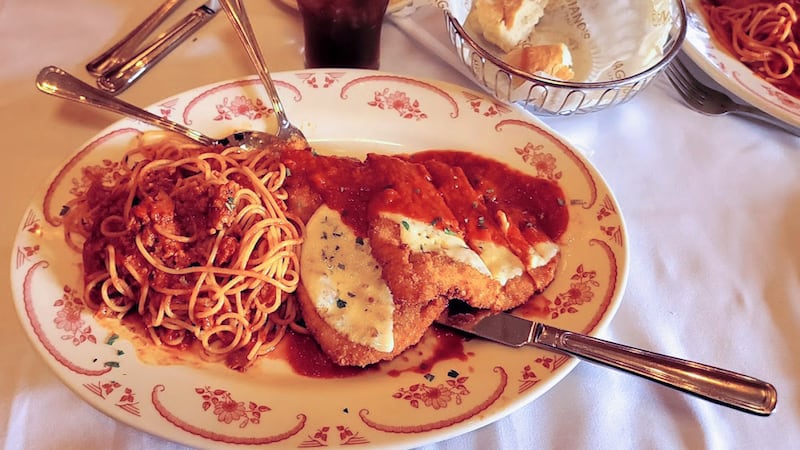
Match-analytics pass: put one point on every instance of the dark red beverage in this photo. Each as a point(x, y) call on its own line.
point(342, 33)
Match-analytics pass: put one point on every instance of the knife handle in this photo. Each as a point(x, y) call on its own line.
point(118, 79)
point(719, 385)
point(121, 51)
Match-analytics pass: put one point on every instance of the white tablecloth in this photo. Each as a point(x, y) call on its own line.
point(712, 206)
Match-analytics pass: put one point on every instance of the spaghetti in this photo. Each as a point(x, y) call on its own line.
point(196, 242)
point(762, 35)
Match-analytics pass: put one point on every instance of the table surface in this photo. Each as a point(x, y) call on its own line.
point(712, 206)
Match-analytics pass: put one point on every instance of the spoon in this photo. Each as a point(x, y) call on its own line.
point(237, 15)
point(57, 82)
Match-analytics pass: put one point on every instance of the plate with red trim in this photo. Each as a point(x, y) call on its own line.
point(423, 396)
point(726, 70)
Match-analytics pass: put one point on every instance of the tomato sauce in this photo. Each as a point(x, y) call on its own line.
point(536, 206)
point(533, 203)
point(307, 359)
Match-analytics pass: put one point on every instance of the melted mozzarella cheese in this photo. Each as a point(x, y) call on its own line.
point(542, 253)
point(345, 282)
point(502, 262)
point(538, 254)
point(424, 237)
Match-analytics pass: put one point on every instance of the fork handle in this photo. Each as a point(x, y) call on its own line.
point(118, 53)
point(57, 82)
point(237, 15)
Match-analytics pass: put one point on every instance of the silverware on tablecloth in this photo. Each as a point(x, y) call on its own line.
point(121, 51)
point(57, 82)
point(718, 385)
point(119, 78)
point(709, 101)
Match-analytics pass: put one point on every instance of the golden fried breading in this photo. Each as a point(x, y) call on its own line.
point(432, 237)
point(410, 323)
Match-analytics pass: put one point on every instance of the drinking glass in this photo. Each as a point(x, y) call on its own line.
point(342, 33)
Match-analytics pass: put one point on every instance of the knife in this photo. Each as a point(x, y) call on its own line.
point(121, 51)
point(118, 79)
point(711, 383)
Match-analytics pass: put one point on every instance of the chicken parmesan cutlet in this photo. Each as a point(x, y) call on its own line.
point(390, 240)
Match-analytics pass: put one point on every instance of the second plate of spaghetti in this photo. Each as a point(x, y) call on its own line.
point(293, 396)
point(726, 67)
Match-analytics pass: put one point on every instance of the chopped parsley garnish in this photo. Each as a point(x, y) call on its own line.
point(435, 221)
point(288, 172)
point(341, 266)
point(450, 232)
point(452, 374)
point(111, 339)
point(429, 376)
point(64, 210)
point(120, 353)
point(341, 303)
point(337, 234)
point(360, 241)
point(111, 364)
point(481, 222)
point(351, 295)
point(230, 203)
point(405, 225)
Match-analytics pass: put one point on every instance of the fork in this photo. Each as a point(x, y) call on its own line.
point(709, 101)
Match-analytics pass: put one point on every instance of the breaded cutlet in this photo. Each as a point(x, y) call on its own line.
point(412, 230)
point(483, 234)
point(410, 323)
point(419, 276)
point(528, 238)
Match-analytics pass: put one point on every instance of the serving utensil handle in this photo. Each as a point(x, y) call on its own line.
point(719, 385)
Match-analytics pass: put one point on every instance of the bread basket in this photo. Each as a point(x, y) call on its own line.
point(620, 46)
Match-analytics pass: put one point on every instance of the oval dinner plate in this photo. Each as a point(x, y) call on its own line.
point(402, 403)
point(725, 69)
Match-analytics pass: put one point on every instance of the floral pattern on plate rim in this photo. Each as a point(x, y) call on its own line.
point(227, 408)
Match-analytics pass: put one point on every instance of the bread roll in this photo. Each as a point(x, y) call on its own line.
point(505, 23)
point(549, 60)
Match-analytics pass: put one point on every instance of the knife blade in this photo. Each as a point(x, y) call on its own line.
point(722, 386)
point(121, 51)
point(120, 78)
